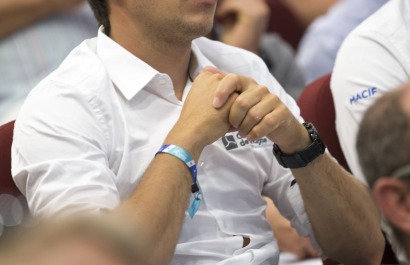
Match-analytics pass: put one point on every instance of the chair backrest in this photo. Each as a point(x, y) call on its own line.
point(7, 185)
point(316, 105)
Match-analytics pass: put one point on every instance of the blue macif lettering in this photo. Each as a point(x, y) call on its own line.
point(363, 95)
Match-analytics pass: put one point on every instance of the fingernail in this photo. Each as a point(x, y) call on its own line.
point(217, 103)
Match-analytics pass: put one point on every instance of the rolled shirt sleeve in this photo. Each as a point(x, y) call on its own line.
point(60, 152)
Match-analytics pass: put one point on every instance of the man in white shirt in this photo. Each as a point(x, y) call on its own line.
point(373, 60)
point(86, 138)
point(386, 164)
point(318, 48)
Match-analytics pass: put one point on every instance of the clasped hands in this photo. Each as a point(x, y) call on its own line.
point(220, 102)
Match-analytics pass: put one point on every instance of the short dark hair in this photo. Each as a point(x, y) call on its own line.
point(384, 137)
point(101, 13)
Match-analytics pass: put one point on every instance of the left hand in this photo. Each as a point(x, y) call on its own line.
point(256, 113)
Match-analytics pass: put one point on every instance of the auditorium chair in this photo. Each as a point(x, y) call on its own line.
point(7, 185)
point(317, 106)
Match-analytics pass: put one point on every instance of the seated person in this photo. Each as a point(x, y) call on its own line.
point(372, 61)
point(243, 23)
point(308, 10)
point(35, 37)
point(318, 48)
point(149, 112)
point(382, 146)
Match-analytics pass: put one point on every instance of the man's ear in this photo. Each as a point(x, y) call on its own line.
point(393, 198)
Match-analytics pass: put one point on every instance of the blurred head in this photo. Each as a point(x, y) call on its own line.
point(172, 20)
point(383, 147)
point(76, 242)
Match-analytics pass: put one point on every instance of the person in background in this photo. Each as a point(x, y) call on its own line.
point(35, 37)
point(306, 11)
point(383, 144)
point(74, 241)
point(243, 24)
point(374, 59)
point(318, 48)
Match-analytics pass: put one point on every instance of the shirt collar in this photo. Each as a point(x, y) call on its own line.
point(129, 73)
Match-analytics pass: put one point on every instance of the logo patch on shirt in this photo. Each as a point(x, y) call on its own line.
point(235, 141)
point(367, 93)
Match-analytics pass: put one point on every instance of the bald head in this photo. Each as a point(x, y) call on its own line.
point(384, 135)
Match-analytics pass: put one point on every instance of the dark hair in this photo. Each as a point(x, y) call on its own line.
point(101, 13)
point(383, 139)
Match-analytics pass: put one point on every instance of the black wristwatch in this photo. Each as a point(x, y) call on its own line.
point(307, 155)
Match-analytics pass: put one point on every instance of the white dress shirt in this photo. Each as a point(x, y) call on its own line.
point(374, 59)
point(30, 54)
point(319, 46)
point(87, 133)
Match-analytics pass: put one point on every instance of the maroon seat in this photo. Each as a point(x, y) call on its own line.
point(283, 22)
point(7, 185)
point(317, 106)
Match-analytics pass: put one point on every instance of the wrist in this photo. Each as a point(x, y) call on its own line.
point(186, 139)
point(300, 142)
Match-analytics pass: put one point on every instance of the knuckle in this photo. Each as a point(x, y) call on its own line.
point(243, 103)
point(254, 115)
point(233, 77)
point(270, 120)
point(261, 89)
point(217, 76)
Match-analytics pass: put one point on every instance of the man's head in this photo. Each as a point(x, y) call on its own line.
point(173, 20)
point(383, 147)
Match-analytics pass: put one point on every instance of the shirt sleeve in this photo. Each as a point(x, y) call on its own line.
point(367, 66)
point(60, 152)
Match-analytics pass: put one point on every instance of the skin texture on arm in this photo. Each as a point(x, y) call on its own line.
point(339, 207)
point(17, 14)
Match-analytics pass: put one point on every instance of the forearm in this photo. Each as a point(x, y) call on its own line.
point(334, 199)
point(157, 207)
point(17, 14)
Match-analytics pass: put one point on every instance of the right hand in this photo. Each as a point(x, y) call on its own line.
point(63, 5)
point(200, 124)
